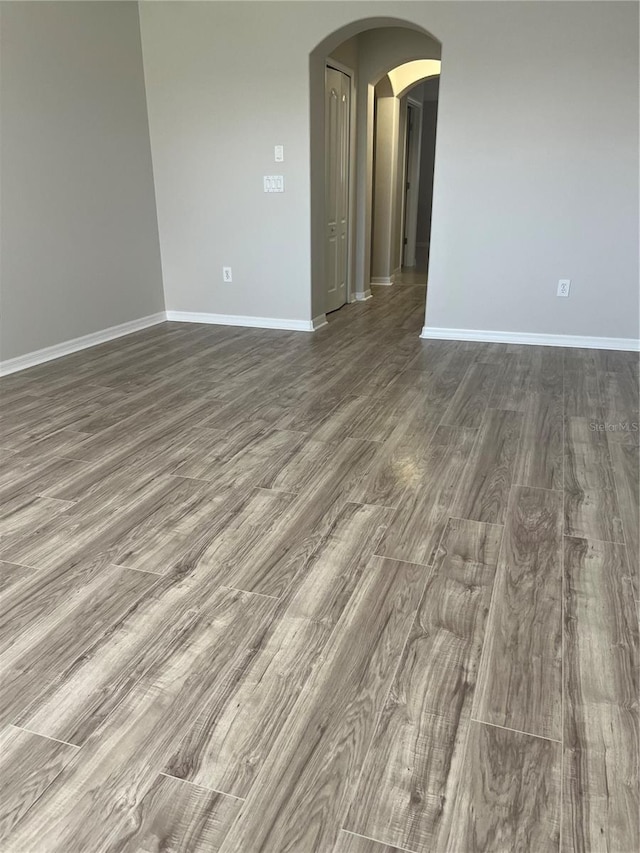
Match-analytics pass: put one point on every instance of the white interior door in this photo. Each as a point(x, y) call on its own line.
point(337, 122)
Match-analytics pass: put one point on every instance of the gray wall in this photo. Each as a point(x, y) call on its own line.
point(80, 248)
point(347, 53)
point(536, 173)
point(225, 83)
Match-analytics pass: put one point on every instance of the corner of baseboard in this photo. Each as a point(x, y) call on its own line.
point(318, 322)
point(363, 295)
point(382, 281)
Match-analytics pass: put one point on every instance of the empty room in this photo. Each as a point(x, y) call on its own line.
point(319, 428)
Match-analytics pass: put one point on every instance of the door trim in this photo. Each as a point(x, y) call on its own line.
point(351, 231)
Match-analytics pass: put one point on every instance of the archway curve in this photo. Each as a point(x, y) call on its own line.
point(356, 28)
point(405, 77)
point(415, 43)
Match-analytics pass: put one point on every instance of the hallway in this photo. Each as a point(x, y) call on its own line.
point(348, 591)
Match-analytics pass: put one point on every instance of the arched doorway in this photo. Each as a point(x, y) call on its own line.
point(397, 154)
point(379, 46)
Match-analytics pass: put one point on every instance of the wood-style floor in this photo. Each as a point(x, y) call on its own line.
point(349, 592)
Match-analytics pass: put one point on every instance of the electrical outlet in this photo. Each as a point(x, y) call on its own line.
point(564, 286)
point(226, 274)
point(278, 153)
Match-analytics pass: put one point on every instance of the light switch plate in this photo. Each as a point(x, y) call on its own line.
point(274, 183)
point(279, 153)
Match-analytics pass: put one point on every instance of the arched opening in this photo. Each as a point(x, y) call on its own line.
point(384, 58)
point(403, 170)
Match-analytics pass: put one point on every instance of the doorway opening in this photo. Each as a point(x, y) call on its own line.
point(429, 91)
point(368, 176)
point(401, 149)
point(411, 181)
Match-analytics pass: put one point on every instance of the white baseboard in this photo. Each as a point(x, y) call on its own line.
point(363, 295)
point(441, 334)
point(385, 281)
point(31, 359)
point(238, 320)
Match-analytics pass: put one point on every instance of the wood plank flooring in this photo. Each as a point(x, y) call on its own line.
point(349, 592)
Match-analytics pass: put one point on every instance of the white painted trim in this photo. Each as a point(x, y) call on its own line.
point(31, 359)
point(238, 320)
point(535, 339)
point(363, 295)
point(385, 281)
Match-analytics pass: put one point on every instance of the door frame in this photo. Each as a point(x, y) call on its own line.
point(411, 173)
point(351, 231)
